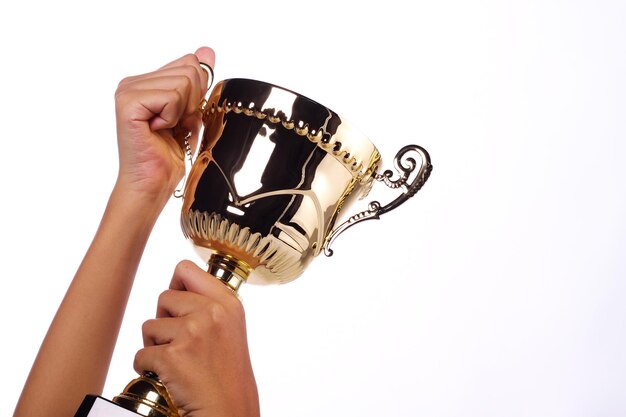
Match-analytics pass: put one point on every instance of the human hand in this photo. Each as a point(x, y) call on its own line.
point(198, 347)
point(153, 110)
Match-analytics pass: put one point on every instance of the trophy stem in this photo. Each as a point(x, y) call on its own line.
point(231, 271)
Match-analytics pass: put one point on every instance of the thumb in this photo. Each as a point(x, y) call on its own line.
point(190, 277)
point(206, 55)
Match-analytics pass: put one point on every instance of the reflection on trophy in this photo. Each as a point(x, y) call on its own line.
point(273, 174)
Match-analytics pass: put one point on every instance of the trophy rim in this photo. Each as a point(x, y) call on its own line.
point(359, 154)
point(281, 88)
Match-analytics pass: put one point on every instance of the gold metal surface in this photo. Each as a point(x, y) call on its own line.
point(147, 396)
point(274, 172)
point(231, 271)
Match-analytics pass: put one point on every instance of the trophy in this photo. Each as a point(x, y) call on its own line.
point(273, 172)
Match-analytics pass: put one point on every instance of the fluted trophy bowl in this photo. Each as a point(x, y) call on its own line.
point(273, 172)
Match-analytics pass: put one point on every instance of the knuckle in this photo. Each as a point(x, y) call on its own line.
point(192, 328)
point(145, 327)
point(171, 99)
point(189, 71)
point(162, 298)
point(182, 82)
point(237, 309)
point(182, 270)
point(138, 361)
point(226, 310)
point(233, 308)
point(121, 97)
point(190, 59)
point(170, 353)
point(218, 315)
point(183, 266)
point(232, 304)
point(124, 83)
point(179, 97)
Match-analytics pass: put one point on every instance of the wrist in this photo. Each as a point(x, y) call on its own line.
point(137, 199)
point(134, 211)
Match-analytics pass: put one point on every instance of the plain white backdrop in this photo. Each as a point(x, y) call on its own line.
point(498, 290)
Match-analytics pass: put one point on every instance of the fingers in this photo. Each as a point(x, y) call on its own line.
point(198, 345)
point(191, 316)
point(185, 80)
point(149, 98)
point(190, 277)
point(174, 303)
point(155, 359)
point(192, 61)
point(203, 54)
point(206, 55)
point(159, 332)
point(161, 100)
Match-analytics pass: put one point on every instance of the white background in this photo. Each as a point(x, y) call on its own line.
point(498, 291)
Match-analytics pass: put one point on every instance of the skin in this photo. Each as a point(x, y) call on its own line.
point(197, 344)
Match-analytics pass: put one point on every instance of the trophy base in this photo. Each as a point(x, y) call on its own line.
point(96, 406)
point(144, 396)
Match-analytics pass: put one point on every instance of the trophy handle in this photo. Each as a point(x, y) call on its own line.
point(189, 153)
point(209, 84)
point(405, 166)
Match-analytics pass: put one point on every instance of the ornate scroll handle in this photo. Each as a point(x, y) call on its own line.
point(211, 76)
point(187, 151)
point(404, 165)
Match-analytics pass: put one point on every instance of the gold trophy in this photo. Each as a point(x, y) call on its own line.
point(273, 172)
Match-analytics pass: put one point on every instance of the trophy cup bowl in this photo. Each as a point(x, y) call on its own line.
point(273, 172)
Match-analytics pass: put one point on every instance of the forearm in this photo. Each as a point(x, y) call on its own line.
point(74, 357)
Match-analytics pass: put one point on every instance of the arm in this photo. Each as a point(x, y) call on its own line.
point(74, 357)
